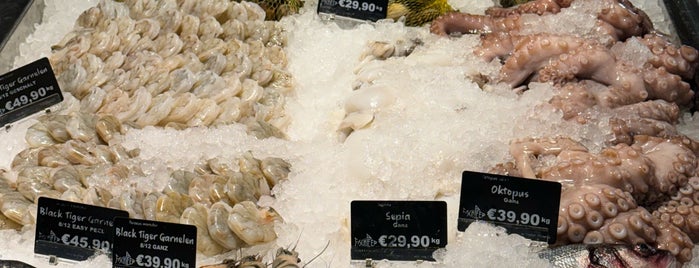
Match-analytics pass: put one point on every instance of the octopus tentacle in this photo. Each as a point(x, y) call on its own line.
point(539, 7)
point(688, 143)
point(651, 169)
point(596, 214)
point(637, 225)
point(631, 227)
point(681, 60)
point(525, 151)
point(667, 86)
point(652, 118)
point(674, 163)
point(456, 22)
point(620, 167)
point(584, 209)
point(534, 51)
point(620, 95)
point(599, 202)
point(624, 129)
point(573, 99)
point(654, 109)
point(646, 22)
point(628, 85)
point(619, 19)
point(496, 45)
point(626, 19)
point(598, 64)
point(589, 62)
point(683, 209)
point(674, 240)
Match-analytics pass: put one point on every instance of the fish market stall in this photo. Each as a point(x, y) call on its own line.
point(261, 133)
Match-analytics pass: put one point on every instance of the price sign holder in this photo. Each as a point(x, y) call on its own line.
point(397, 230)
point(144, 243)
point(353, 10)
point(72, 230)
point(28, 90)
point(523, 206)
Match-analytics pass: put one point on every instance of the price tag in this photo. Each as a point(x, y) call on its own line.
point(398, 230)
point(143, 243)
point(72, 230)
point(27, 90)
point(523, 206)
point(371, 10)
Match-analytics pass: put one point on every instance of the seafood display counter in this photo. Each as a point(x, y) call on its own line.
point(261, 133)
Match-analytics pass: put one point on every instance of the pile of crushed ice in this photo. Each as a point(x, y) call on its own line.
point(437, 124)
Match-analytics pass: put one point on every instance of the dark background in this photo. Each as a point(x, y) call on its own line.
point(10, 13)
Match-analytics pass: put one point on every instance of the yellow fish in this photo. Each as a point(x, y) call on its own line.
point(417, 12)
point(276, 9)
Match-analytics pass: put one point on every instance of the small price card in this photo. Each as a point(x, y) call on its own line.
point(371, 10)
point(523, 206)
point(72, 230)
point(144, 243)
point(27, 90)
point(398, 230)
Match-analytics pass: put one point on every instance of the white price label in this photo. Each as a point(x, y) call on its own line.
point(510, 216)
point(84, 242)
point(144, 260)
point(359, 5)
point(402, 241)
point(23, 100)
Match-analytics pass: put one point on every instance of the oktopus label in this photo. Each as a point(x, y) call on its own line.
point(523, 206)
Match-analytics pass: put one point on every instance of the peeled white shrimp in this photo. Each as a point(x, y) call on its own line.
point(38, 135)
point(35, 181)
point(161, 107)
point(209, 28)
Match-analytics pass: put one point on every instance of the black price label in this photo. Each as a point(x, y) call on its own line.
point(143, 243)
point(27, 90)
point(72, 230)
point(523, 206)
point(398, 230)
point(371, 10)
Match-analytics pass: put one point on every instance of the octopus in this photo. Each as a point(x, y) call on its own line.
point(617, 18)
point(621, 61)
point(624, 194)
point(580, 64)
point(641, 187)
